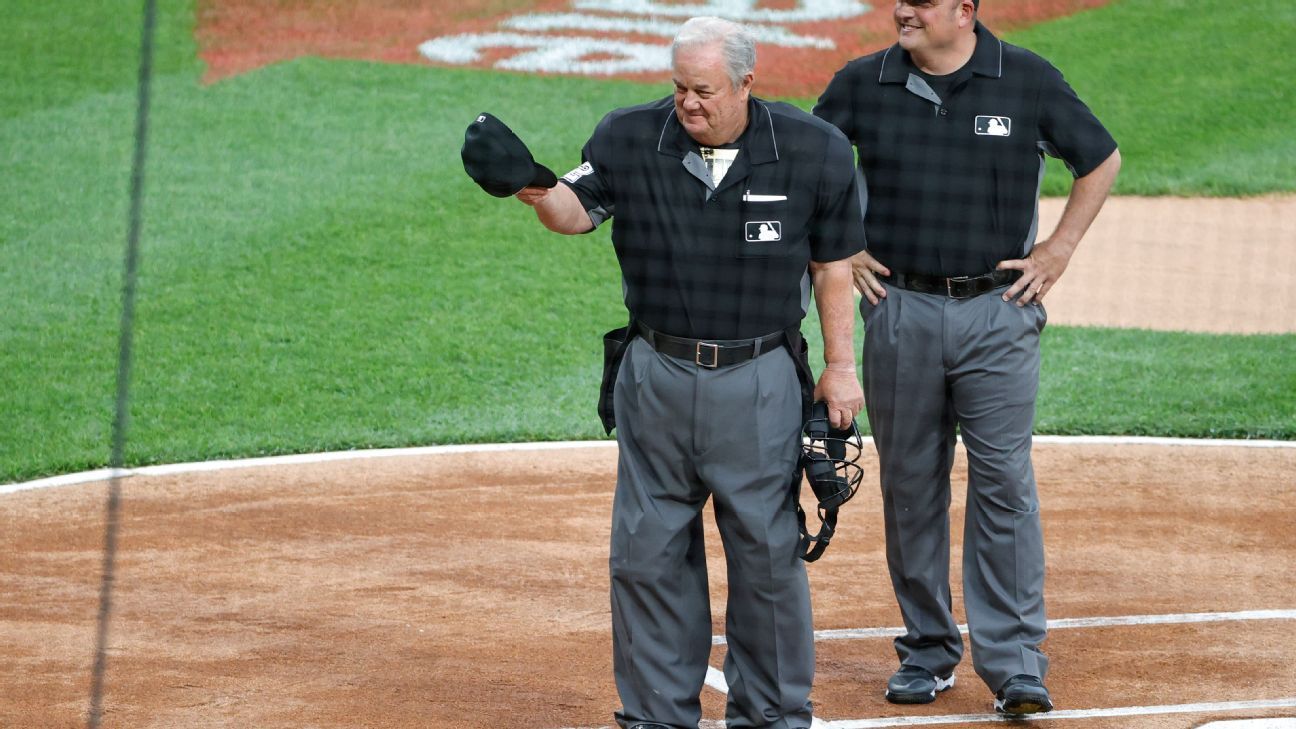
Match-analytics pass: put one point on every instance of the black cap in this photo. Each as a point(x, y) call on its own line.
point(498, 161)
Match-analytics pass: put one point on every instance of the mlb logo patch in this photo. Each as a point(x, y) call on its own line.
point(993, 126)
point(764, 230)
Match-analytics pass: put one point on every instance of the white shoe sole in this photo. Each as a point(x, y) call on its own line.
point(1024, 708)
point(942, 684)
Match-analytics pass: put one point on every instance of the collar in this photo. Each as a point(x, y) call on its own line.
point(757, 141)
point(986, 60)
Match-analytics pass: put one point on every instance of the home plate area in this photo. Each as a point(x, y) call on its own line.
point(467, 587)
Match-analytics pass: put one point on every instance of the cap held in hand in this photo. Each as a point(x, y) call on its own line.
point(498, 161)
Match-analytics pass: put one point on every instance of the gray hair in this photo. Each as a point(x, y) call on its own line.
point(737, 44)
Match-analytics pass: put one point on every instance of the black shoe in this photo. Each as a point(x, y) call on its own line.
point(648, 726)
point(1023, 694)
point(916, 685)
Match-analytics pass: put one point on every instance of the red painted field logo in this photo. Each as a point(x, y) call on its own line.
point(802, 42)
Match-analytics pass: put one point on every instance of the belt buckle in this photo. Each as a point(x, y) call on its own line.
point(715, 355)
point(949, 286)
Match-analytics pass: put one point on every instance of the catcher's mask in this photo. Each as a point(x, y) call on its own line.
point(829, 458)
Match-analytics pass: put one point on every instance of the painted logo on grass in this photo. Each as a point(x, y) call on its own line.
point(802, 42)
point(542, 52)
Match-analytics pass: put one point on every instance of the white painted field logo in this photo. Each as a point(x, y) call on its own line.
point(993, 126)
point(764, 230)
point(801, 42)
point(615, 54)
point(585, 169)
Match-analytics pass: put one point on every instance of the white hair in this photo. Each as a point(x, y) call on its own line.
point(737, 44)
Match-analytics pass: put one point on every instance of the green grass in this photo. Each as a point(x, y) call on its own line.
point(57, 53)
point(1100, 381)
point(318, 273)
point(293, 298)
point(1198, 95)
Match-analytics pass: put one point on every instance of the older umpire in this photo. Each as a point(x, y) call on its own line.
point(952, 126)
point(725, 209)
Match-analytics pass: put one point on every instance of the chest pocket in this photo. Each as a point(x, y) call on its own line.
point(767, 229)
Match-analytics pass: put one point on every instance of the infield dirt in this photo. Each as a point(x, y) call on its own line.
point(471, 591)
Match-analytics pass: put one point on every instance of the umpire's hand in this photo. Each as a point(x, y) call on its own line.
point(866, 270)
point(840, 388)
point(558, 209)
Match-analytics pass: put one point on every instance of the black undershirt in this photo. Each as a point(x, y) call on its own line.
point(941, 84)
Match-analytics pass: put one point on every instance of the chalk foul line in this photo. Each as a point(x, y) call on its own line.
point(1212, 707)
point(104, 474)
point(1060, 715)
point(716, 680)
point(1066, 623)
point(1203, 708)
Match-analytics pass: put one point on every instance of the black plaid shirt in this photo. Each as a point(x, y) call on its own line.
point(952, 183)
point(726, 262)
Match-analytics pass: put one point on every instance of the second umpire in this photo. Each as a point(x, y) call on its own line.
point(726, 209)
point(952, 126)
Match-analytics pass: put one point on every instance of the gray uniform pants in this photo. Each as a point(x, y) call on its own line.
point(932, 363)
point(686, 433)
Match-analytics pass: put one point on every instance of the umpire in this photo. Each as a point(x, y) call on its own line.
point(726, 209)
point(952, 125)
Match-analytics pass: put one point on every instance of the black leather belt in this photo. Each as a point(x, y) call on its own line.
point(957, 287)
point(712, 354)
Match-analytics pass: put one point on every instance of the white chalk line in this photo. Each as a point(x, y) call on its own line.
point(1065, 623)
point(103, 474)
point(1201, 708)
point(298, 459)
point(1211, 707)
point(715, 678)
point(1274, 723)
point(1204, 708)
